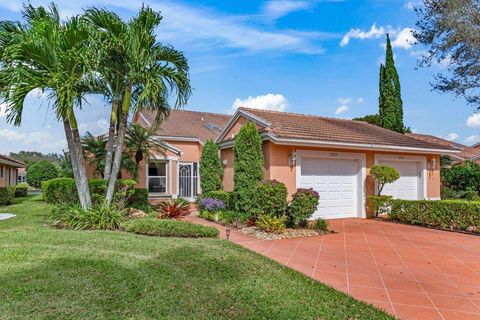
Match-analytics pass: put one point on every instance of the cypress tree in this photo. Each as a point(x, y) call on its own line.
point(248, 168)
point(211, 169)
point(390, 99)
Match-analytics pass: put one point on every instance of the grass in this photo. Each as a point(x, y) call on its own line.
point(47, 273)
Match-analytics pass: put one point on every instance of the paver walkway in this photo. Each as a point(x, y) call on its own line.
point(411, 272)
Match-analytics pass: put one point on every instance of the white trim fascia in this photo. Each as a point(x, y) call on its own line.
point(170, 176)
point(186, 139)
point(145, 119)
point(360, 146)
point(435, 198)
point(162, 158)
point(235, 117)
point(361, 175)
point(422, 160)
point(12, 164)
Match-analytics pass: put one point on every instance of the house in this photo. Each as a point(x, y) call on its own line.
point(333, 156)
point(9, 170)
point(466, 153)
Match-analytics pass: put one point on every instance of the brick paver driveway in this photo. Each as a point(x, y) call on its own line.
point(411, 272)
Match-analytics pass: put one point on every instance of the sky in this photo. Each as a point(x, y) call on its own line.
point(304, 56)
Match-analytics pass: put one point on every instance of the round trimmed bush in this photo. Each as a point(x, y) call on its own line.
point(41, 171)
point(304, 203)
point(272, 197)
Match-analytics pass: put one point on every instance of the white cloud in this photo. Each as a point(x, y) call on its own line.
point(474, 120)
point(411, 5)
point(452, 136)
point(357, 33)
point(203, 27)
point(95, 127)
point(275, 9)
point(472, 139)
point(404, 39)
point(12, 135)
point(341, 109)
point(270, 101)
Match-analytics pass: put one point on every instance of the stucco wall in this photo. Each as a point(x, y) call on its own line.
point(236, 128)
point(227, 154)
point(13, 176)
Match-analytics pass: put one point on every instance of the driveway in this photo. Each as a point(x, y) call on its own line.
point(410, 272)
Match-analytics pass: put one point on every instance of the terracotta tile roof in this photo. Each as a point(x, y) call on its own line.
point(18, 163)
point(311, 127)
point(466, 153)
point(188, 124)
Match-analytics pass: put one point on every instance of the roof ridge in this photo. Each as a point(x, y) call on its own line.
point(205, 112)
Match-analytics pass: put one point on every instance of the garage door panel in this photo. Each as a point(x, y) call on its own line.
point(407, 187)
point(336, 182)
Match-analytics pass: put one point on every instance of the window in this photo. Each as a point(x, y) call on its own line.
point(1, 171)
point(157, 177)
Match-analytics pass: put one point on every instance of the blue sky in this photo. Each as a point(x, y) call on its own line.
point(307, 56)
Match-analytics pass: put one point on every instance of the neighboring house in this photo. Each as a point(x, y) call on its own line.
point(9, 170)
point(22, 175)
point(466, 153)
point(332, 156)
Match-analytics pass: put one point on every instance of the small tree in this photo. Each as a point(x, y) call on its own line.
point(211, 169)
point(384, 175)
point(41, 171)
point(248, 167)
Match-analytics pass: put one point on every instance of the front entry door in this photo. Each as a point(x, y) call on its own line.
point(188, 180)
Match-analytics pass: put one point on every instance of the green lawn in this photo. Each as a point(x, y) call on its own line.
point(59, 274)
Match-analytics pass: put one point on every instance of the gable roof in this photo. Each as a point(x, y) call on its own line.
point(185, 124)
point(466, 152)
point(283, 127)
point(12, 162)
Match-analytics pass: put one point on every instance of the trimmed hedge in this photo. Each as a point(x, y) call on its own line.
point(169, 228)
point(7, 194)
point(446, 214)
point(64, 191)
point(272, 198)
point(21, 191)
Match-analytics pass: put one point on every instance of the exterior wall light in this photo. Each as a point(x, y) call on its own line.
point(292, 159)
point(433, 164)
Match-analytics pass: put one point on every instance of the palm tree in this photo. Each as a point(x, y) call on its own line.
point(96, 151)
point(53, 57)
point(140, 142)
point(150, 71)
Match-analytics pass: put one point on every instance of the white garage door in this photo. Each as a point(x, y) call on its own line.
point(407, 187)
point(336, 182)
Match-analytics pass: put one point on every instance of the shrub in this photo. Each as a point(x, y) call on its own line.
point(379, 204)
point(384, 175)
point(320, 225)
point(462, 176)
point(447, 214)
point(248, 168)
point(304, 203)
point(21, 191)
point(64, 191)
point(169, 228)
point(60, 191)
point(172, 210)
point(447, 193)
point(270, 223)
point(97, 218)
point(210, 215)
point(41, 171)
point(139, 199)
point(7, 194)
point(211, 169)
point(272, 197)
point(210, 204)
point(232, 216)
point(224, 196)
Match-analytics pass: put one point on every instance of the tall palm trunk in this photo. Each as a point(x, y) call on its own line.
point(122, 129)
point(82, 171)
point(111, 136)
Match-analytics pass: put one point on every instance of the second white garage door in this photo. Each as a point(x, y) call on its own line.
point(336, 182)
point(407, 187)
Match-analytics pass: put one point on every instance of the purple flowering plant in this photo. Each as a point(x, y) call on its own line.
point(308, 191)
point(211, 204)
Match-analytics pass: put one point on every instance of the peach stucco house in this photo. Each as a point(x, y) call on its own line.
point(332, 156)
point(9, 170)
